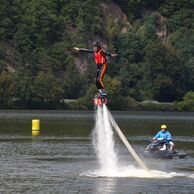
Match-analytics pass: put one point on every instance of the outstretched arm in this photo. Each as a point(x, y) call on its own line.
point(108, 54)
point(156, 136)
point(169, 137)
point(83, 50)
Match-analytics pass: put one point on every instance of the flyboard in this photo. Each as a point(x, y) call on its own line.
point(101, 100)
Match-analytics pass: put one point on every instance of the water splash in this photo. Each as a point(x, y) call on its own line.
point(103, 141)
point(134, 172)
point(191, 176)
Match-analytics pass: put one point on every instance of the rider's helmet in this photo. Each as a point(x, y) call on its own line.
point(97, 44)
point(163, 127)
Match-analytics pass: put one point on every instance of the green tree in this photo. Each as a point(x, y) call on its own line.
point(7, 90)
point(164, 72)
point(183, 18)
point(36, 38)
point(147, 32)
point(183, 41)
point(135, 8)
point(47, 87)
point(188, 102)
point(10, 15)
point(24, 85)
point(132, 80)
point(40, 25)
point(73, 81)
point(130, 57)
point(169, 8)
point(113, 88)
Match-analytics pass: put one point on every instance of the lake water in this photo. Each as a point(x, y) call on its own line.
point(62, 158)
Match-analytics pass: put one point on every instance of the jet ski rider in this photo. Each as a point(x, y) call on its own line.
point(101, 61)
point(164, 135)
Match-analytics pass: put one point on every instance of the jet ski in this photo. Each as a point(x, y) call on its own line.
point(160, 150)
point(100, 99)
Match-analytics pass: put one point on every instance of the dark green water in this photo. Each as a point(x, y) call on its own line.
point(55, 161)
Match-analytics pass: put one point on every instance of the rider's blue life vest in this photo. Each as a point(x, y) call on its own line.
point(164, 135)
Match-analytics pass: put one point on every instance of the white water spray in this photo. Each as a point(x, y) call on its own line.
point(103, 141)
point(126, 143)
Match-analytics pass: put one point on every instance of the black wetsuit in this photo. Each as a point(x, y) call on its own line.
point(101, 61)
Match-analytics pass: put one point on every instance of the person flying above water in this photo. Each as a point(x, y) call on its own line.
point(101, 61)
point(165, 136)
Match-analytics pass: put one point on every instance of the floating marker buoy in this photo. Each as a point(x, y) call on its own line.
point(35, 124)
point(35, 133)
point(35, 127)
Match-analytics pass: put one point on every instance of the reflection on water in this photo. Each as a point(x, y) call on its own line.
point(105, 184)
point(61, 159)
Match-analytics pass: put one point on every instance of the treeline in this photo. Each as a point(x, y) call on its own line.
point(155, 53)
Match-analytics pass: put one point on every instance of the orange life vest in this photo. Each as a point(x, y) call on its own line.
point(99, 57)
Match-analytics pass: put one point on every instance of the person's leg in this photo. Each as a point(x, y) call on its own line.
point(171, 146)
point(98, 77)
point(101, 75)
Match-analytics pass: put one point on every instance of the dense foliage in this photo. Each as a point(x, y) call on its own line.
point(38, 68)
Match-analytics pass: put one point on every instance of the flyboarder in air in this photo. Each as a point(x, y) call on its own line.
point(101, 61)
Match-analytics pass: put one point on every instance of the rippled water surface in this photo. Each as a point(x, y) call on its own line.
point(62, 158)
